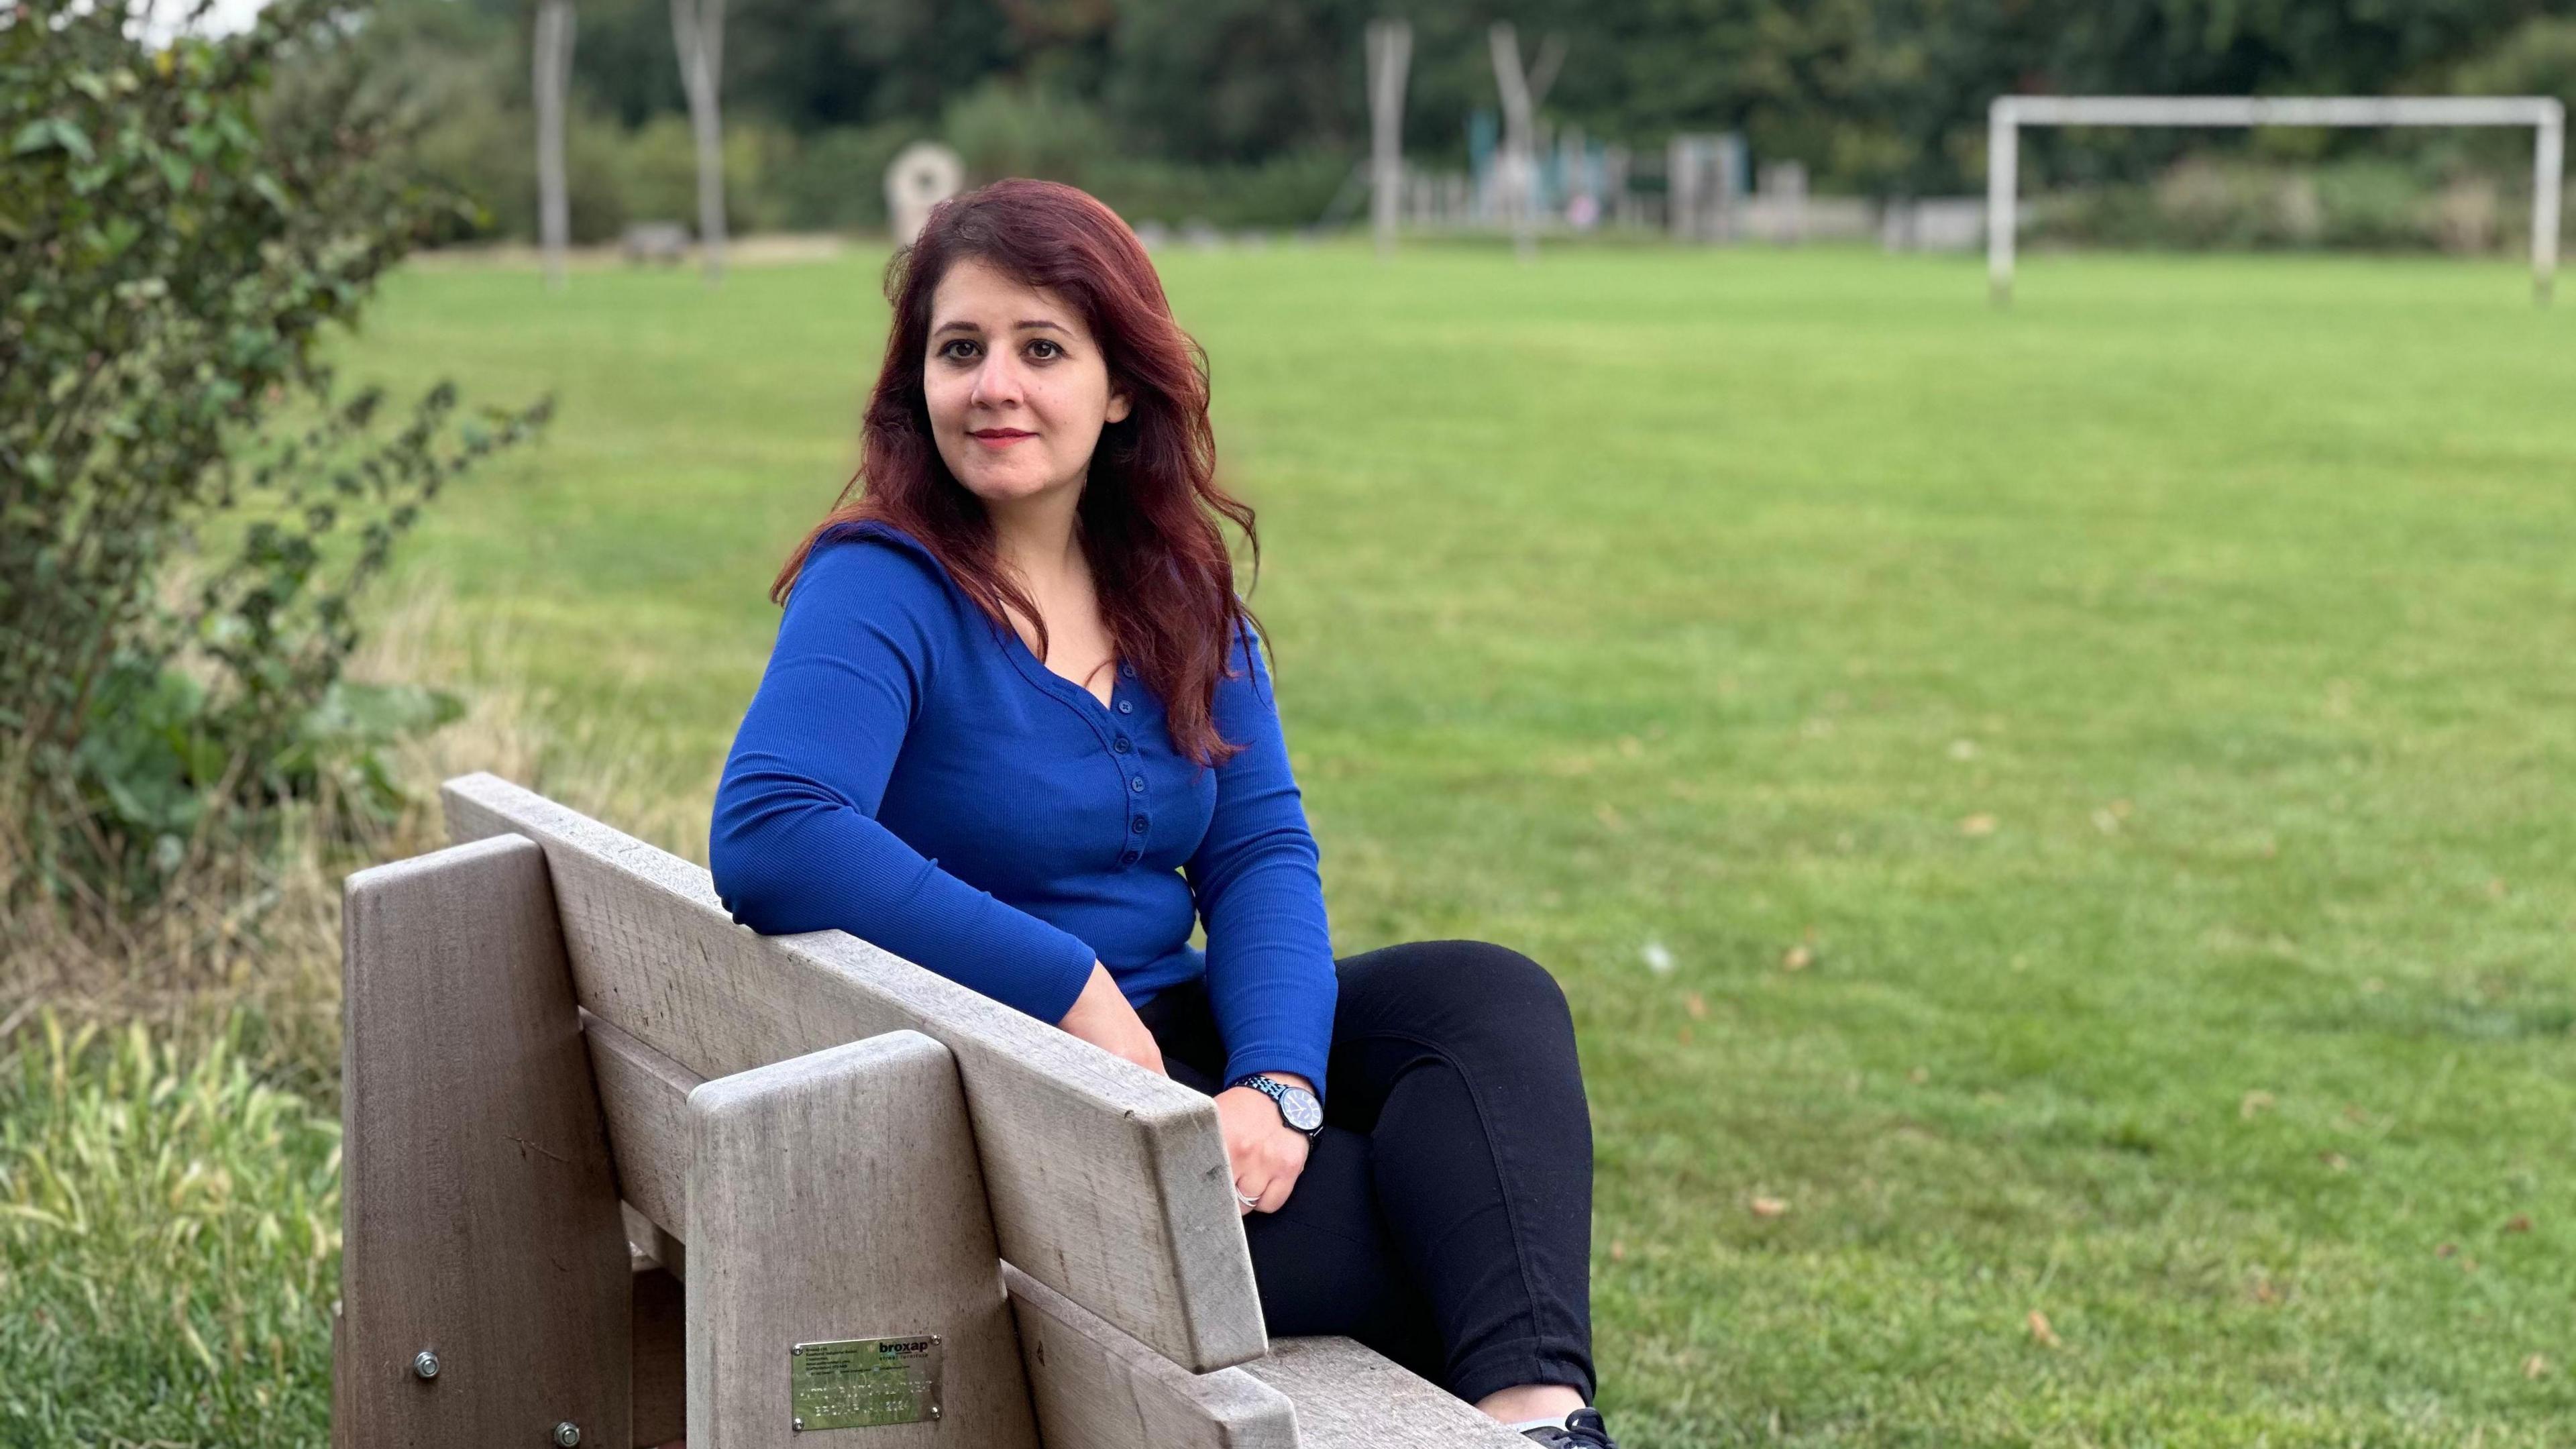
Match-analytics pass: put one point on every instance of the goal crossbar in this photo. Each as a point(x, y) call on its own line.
point(2546, 115)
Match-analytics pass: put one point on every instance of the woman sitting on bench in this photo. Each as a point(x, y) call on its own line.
point(1017, 729)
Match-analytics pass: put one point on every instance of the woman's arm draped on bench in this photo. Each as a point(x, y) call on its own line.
point(1270, 978)
point(796, 845)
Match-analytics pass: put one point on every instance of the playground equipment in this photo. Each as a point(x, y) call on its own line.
point(1704, 182)
point(616, 1167)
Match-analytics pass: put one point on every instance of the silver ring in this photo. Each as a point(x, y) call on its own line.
point(1247, 1201)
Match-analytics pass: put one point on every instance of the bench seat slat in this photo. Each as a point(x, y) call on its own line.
point(644, 1095)
point(1096, 1388)
point(1349, 1396)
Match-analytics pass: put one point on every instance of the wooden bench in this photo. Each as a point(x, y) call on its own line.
point(616, 1168)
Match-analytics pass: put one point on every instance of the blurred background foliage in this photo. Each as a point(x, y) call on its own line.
point(1253, 113)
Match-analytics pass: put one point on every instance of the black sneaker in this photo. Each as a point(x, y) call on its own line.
point(1582, 1429)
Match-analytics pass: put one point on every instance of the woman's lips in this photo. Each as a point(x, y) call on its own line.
point(999, 437)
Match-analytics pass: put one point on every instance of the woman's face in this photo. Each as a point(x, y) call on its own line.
point(1018, 390)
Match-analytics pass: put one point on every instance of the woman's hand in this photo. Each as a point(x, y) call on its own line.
point(1102, 1017)
point(1265, 1152)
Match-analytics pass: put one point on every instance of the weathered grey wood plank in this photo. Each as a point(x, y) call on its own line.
point(479, 1217)
point(1096, 1388)
point(1350, 1397)
point(644, 1097)
point(1107, 1182)
point(835, 1196)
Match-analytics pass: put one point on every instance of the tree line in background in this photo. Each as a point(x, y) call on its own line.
point(1253, 112)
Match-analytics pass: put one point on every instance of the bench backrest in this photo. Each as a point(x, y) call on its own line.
point(1107, 1183)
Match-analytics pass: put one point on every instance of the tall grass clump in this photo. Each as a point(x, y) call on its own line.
point(169, 1244)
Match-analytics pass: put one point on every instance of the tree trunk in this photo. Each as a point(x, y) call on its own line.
point(1390, 52)
point(697, 27)
point(1521, 93)
point(1516, 178)
point(553, 78)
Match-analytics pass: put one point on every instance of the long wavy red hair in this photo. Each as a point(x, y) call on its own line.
point(1148, 519)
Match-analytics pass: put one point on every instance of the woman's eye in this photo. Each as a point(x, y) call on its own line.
point(957, 349)
point(1051, 350)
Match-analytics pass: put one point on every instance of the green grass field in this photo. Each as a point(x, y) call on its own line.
point(2100, 777)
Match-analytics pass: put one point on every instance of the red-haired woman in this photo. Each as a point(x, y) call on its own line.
point(1016, 728)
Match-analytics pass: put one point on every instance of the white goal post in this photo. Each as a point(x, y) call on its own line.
point(2546, 115)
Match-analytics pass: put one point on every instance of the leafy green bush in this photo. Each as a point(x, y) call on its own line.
point(169, 1246)
point(834, 180)
point(1000, 129)
point(2377, 206)
point(1285, 191)
point(161, 754)
point(2204, 203)
point(1003, 130)
point(488, 152)
point(2536, 58)
point(614, 176)
point(2210, 203)
point(656, 170)
point(179, 230)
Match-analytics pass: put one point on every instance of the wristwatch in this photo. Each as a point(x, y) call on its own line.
point(1297, 1106)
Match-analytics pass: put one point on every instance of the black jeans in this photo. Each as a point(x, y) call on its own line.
point(1444, 1217)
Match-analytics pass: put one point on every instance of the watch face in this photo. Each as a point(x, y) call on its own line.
point(1301, 1109)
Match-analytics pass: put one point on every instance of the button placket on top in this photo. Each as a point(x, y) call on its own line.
point(1123, 750)
point(1138, 823)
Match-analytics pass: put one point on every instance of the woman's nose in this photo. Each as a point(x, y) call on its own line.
point(997, 384)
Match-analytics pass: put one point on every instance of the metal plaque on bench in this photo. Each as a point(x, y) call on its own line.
point(860, 1383)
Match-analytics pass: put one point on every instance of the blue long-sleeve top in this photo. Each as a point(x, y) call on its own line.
point(910, 772)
